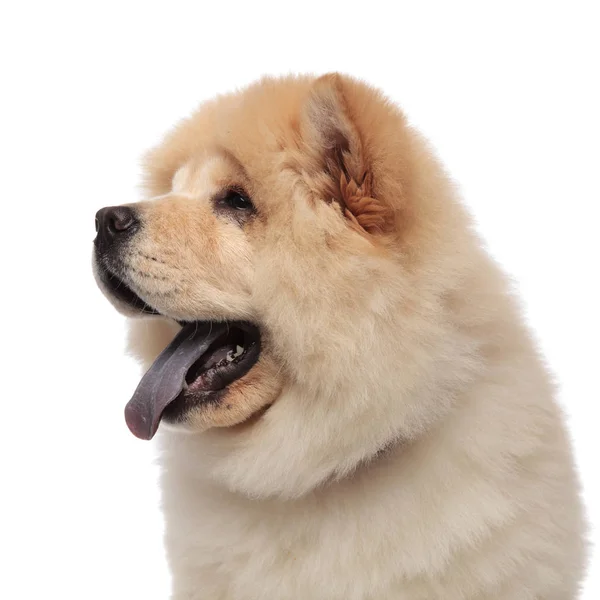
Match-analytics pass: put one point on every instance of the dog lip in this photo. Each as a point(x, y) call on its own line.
point(211, 388)
point(204, 376)
point(118, 289)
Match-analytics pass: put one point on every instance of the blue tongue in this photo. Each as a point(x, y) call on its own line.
point(165, 379)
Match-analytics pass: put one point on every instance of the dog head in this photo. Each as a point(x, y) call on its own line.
point(302, 243)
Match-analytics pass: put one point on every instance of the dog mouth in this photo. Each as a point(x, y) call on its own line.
point(196, 368)
point(203, 359)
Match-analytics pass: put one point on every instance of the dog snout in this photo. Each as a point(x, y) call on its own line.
point(113, 223)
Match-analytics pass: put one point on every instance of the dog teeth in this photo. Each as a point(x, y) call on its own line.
point(231, 355)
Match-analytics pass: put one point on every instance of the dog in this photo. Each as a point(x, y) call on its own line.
point(348, 403)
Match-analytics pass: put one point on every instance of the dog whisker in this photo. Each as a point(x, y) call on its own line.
point(148, 275)
point(156, 260)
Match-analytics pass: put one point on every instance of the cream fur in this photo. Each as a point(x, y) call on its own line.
point(413, 449)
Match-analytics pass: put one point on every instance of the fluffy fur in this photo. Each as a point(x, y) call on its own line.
point(399, 438)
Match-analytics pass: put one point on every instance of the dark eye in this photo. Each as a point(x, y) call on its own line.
point(235, 205)
point(237, 201)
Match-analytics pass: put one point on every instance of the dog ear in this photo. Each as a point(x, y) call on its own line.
point(340, 165)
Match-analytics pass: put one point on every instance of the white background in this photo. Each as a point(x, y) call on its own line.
point(508, 95)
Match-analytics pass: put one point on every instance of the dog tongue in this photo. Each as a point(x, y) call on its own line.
point(165, 379)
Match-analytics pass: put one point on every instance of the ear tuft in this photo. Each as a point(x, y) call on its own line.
point(338, 156)
point(363, 211)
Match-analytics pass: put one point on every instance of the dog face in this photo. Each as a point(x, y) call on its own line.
point(188, 255)
point(298, 233)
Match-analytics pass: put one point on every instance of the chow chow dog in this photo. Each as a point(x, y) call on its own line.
point(350, 404)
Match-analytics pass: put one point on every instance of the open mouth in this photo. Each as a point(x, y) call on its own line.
point(196, 367)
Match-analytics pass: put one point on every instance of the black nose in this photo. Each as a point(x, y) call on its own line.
point(113, 222)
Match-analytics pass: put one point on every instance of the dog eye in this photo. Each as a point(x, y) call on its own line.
point(237, 201)
point(234, 205)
